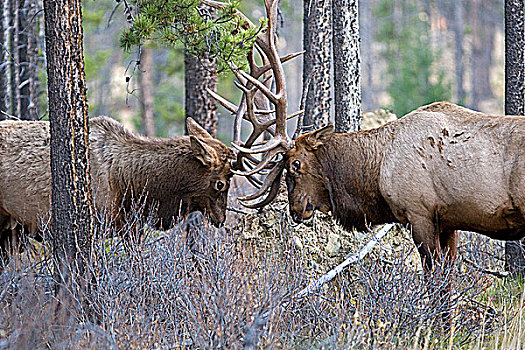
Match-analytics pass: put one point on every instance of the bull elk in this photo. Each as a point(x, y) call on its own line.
point(440, 168)
point(177, 175)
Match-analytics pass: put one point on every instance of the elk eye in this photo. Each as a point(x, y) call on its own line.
point(296, 165)
point(219, 185)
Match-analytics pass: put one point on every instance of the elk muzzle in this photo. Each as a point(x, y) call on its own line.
point(303, 214)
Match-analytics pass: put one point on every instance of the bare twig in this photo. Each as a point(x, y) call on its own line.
point(499, 274)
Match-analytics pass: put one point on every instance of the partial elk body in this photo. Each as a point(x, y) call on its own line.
point(176, 175)
point(440, 168)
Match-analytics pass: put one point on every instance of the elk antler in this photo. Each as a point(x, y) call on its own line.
point(257, 97)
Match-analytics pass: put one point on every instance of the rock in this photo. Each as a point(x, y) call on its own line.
point(333, 246)
point(297, 242)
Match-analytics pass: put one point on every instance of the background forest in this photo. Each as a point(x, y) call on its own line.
point(237, 286)
point(412, 52)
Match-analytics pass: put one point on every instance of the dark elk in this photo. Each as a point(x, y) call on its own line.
point(440, 168)
point(174, 175)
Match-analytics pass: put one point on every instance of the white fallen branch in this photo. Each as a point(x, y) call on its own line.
point(350, 260)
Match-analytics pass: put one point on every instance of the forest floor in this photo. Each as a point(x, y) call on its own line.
point(236, 286)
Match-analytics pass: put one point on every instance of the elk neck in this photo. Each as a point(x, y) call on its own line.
point(351, 165)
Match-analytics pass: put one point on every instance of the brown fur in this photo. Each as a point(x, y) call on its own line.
point(440, 168)
point(177, 175)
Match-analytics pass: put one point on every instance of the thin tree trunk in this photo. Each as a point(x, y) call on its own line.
point(347, 62)
point(15, 51)
point(71, 200)
point(3, 61)
point(367, 39)
point(33, 61)
point(482, 46)
point(6, 61)
point(459, 33)
point(515, 100)
point(24, 69)
point(201, 73)
point(317, 42)
point(146, 91)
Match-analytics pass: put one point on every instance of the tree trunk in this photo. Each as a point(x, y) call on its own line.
point(367, 39)
point(34, 63)
point(347, 75)
point(71, 202)
point(482, 46)
point(200, 73)
point(515, 101)
point(28, 63)
point(459, 33)
point(19, 64)
point(317, 42)
point(146, 91)
point(15, 52)
point(3, 61)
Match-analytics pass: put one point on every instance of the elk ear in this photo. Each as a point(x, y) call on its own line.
point(204, 153)
point(196, 130)
point(319, 137)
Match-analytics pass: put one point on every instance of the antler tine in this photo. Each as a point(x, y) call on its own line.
point(273, 188)
point(265, 185)
point(254, 181)
point(268, 146)
point(238, 121)
point(263, 88)
point(306, 87)
point(224, 102)
point(262, 165)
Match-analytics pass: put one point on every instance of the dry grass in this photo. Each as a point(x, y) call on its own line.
point(227, 292)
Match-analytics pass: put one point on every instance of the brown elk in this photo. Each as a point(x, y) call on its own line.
point(176, 175)
point(440, 169)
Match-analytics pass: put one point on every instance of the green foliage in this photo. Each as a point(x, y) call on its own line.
point(414, 79)
point(222, 34)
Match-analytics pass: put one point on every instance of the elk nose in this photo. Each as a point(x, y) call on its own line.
point(295, 216)
point(309, 207)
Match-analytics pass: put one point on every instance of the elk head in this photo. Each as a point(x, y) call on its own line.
point(307, 187)
point(212, 178)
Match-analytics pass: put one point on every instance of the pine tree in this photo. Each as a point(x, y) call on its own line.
point(71, 202)
point(347, 64)
point(515, 100)
point(317, 60)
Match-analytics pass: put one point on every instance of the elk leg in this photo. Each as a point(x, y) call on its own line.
point(432, 241)
point(426, 241)
point(449, 249)
point(449, 245)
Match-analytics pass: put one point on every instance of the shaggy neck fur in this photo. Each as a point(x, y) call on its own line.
point(351, 164)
